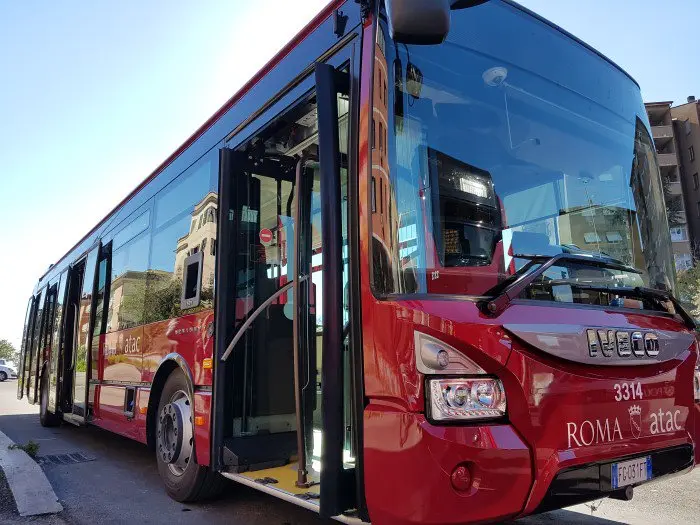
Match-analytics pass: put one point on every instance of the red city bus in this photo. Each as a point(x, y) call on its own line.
point(417, 270)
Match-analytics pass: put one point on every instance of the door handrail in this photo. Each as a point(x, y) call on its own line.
point(255, 314)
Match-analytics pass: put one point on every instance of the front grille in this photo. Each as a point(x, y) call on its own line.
point(593, 480)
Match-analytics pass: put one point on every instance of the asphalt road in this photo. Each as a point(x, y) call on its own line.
point(120, 484)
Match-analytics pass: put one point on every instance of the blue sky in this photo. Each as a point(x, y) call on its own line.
point(94, 95)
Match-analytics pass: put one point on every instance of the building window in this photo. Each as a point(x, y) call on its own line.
point(373, 197)
point(678, 233)
point(381, 196)
point(374, 134)
point(212, 249)
point(687, 126)
point(204, 245)
point(698, 209)
point(591, 237)
point(613, 237)
point(696, 183)
point(683, 261)
point(691, 152)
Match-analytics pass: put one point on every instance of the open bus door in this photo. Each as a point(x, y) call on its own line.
point(25, 349)
point(77, 328)
point(284, 406)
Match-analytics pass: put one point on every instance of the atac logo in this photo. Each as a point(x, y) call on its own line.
point(621, 343)
point(635, 412)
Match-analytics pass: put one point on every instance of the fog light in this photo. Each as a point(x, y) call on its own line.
point(461, 478)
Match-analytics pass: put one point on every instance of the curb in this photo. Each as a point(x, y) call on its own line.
point(29, 485)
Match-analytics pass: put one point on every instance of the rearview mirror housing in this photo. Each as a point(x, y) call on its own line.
point(418, 21)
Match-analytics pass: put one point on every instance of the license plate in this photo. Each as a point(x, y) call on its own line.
point(630, 472)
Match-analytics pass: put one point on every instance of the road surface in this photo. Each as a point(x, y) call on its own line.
point(120, 484)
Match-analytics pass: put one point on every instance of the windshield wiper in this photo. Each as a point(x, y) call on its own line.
point(635, 292)
point(498, 303)
point(602, 261)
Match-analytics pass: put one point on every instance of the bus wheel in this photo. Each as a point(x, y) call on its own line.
point(46, 418)
point(184, 479)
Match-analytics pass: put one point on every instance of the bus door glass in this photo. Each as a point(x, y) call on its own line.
point(30, 361)
point(56, 343)
point(265, 170)
point(81, 355)
point(43, 349)
point(26, 344)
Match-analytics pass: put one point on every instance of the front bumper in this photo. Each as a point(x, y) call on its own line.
point(592, 481)
point(408, 463)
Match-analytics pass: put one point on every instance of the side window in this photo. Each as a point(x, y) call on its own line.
point(185, 220)
point(127, 293)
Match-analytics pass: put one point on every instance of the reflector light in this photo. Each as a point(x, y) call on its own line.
point(461, 478)
point(466, 399)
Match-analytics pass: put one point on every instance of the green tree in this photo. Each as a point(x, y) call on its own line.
point(7, 350)
point(689, 289)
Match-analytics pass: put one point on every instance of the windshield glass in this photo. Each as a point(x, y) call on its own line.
point(510, 139)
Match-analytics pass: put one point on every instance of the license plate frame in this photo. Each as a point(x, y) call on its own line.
point(630, 472)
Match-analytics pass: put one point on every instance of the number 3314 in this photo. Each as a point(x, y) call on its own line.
point(627, 391)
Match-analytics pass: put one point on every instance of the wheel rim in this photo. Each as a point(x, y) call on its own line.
point(174, 439)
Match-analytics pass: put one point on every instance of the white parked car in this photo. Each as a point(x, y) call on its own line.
point(7, 370)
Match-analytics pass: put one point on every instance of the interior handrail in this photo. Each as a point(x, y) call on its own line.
point(255, 314)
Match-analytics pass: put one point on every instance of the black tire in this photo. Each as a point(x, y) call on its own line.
point(195, 483)
point(46, 418)
point(3, 376)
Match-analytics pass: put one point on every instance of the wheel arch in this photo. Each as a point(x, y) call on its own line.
point(167, 365)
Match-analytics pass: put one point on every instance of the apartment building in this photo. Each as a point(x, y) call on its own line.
point(665, 135)
point(686, 121)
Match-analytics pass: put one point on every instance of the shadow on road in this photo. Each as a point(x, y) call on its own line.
point(122, 484)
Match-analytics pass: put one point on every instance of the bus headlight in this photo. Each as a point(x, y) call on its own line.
point(452, 399)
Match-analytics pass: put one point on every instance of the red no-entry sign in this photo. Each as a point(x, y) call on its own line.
point(266, 237)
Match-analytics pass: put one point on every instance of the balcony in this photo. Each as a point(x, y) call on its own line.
point(673, 187)
point(662, 132)
point(667, 159)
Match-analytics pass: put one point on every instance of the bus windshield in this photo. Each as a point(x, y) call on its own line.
point(484, 149)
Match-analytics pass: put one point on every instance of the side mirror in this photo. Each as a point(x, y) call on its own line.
point(418, 21)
